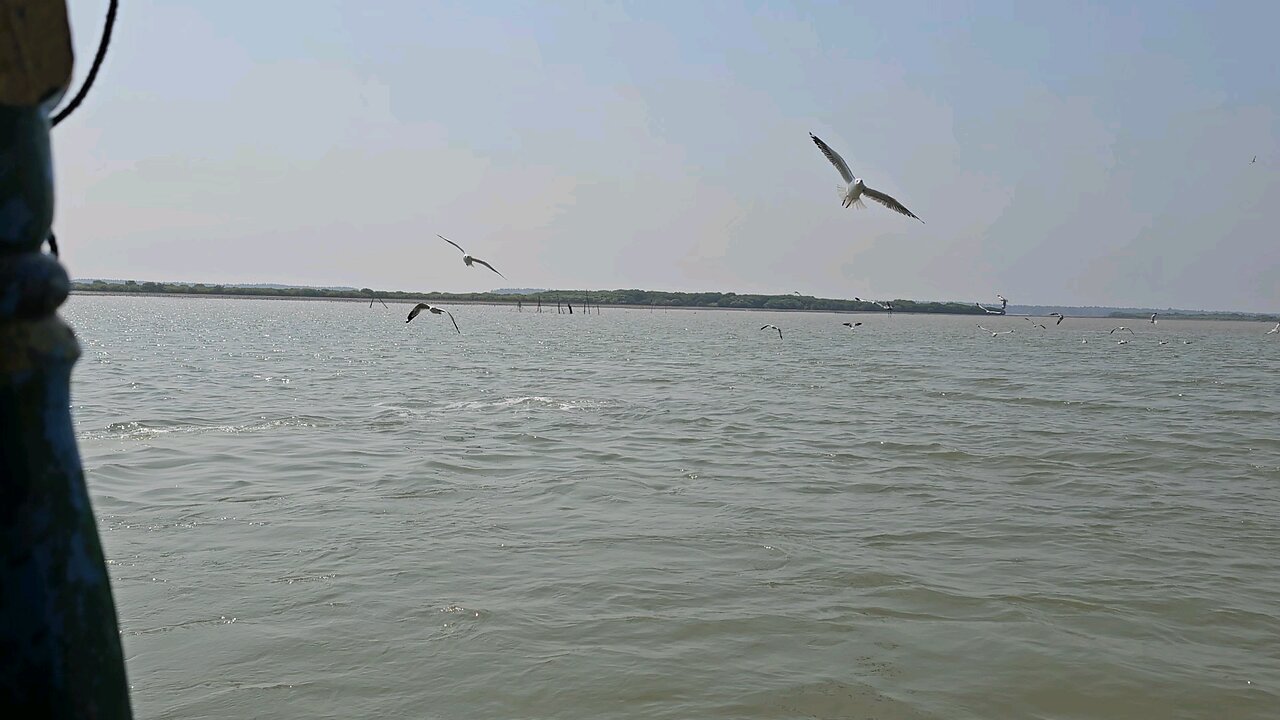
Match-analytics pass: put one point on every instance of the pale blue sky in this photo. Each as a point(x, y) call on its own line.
point(1061, 153)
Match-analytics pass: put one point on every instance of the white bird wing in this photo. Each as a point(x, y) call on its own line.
point(834, 157)
point(888, 202)
point(986, 329)
point(464, 252)
point(455, 322)
point(481, 262)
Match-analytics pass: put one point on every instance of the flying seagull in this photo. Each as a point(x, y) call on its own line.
point(988, 310)
point(883, 305)
point(1123, 342)
point(993, 332)
point(1274, 330)
point(467, 259)
point(851, 193)
point(1003, 300)
point(851, 325)
point(375, 297)
point(1035, 324)
point(1254, 160)
point(1060, 317)
point(434, 311)
point(1122, 327)
point(775, 327)
point(1153, 318)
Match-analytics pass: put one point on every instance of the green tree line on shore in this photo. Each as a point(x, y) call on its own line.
point(643, 298)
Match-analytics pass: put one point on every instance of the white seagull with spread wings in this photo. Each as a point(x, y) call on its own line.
point(434, 311)
point(993, 332)
point(852, 191)
point(773, 327)
point(468, 259)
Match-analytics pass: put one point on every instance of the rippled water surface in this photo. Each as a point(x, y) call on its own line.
point(314, 510)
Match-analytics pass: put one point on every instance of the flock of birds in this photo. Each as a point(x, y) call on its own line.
point(1004, 304)
point(851, 191)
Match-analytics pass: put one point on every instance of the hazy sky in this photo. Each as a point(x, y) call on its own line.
point(1061, 153)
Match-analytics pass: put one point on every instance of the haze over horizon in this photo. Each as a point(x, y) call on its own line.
point(1087, 156)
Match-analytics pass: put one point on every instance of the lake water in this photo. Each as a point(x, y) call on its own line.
point(314, 510)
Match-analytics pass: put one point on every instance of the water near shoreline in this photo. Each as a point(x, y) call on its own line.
point(315, 510)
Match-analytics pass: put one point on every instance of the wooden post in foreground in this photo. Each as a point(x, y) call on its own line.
point(60, 654)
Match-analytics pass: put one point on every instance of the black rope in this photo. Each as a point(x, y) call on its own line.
point(93, 70)
point(112, 8)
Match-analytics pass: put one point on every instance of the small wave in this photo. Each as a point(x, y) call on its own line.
point(204, 622)
point(519, 402)
point(140, 430)
point(529, 401)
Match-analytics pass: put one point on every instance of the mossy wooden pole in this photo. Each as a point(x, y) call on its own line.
point(60, 654)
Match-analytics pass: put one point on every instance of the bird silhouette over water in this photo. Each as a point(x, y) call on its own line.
point(852, 191)
point(772, 327)
point(434, 311)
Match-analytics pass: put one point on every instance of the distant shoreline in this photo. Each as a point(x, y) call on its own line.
point(633, 298)
point(407, 301)
point(509, 301)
